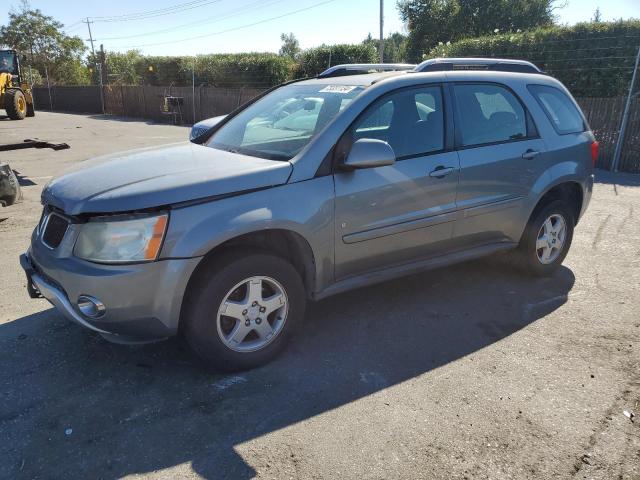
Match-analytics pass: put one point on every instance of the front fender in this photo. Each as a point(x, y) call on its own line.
point(305, 208)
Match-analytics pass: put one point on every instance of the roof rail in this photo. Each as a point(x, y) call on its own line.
point(362, 68)
point(493, 64)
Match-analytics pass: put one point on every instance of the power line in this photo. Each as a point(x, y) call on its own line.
point(152, 11)
point(315, 5)
point(79, 23)
point(155, 12)
point(217, 18)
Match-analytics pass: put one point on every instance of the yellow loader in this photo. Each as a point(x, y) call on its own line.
point(15, 94)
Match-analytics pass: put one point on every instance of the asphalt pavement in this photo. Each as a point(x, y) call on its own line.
point(468, 372)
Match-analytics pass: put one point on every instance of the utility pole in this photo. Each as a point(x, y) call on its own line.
point(625, 117)
point(98, 64)
point(89, 22)
point(381, 31)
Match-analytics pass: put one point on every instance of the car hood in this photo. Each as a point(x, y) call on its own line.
point(160, 176)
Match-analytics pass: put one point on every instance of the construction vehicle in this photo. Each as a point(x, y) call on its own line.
point(15, 93)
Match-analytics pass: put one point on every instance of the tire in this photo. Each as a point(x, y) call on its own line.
point(31, 111)
point(210, 334)
point(15, 104)
point(532, 259)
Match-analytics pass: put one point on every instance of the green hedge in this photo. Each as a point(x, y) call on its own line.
point(313, 61)
point(224, 70)
point(592, 59)
point(232, 70)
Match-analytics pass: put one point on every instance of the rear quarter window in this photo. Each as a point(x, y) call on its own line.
point(559, 108)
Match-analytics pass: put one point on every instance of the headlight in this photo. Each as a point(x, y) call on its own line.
point(126, 239)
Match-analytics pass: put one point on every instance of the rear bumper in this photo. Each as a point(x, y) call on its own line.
point(588, 191)
point(142, 302)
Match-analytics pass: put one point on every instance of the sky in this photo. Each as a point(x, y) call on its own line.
point(224, 26)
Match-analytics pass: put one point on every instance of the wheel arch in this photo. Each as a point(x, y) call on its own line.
point(569, 190)
point(284, 243)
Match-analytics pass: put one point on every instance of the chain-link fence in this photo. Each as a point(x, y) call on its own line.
point(603, 105)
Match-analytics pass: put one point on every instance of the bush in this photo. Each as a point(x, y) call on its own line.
point(315, 60)
point(222, 70)
point(258, 70)
point(592, 59)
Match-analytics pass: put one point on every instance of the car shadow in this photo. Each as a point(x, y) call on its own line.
point(77, 406)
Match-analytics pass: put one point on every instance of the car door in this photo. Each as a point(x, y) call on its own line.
point(501, 156)
point(393, 214)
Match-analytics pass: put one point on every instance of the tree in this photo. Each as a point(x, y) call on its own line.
point(290, 45)
point(40, 40)
point(597, 16)
point(122, 68)
point(433, 21)
point(395, 47)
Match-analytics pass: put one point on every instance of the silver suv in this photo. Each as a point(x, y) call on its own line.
point(317, 187)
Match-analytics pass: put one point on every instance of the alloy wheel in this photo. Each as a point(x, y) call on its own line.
point(551, 239)
point(252, 314)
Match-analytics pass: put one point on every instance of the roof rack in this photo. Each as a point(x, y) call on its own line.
point(492, 64)
point(362, 68)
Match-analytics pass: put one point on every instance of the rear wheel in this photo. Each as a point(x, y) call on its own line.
point(15, 104)
point(31, 111)
point(243, 310)
point(547, 239)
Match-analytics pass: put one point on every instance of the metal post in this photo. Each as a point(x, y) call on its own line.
point(625, 117)
point(100, 84)
point(46, 72)
point(381, 31)
point(31, 62)
point(193, 89)
point(99, 67)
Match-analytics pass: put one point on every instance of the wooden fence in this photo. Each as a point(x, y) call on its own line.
point(604, 114)
point(146, 102)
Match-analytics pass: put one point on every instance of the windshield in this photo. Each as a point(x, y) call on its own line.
point(7, 62)
point(282, 123)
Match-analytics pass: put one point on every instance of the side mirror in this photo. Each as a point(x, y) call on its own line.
point(201, 128)
point(369, 153)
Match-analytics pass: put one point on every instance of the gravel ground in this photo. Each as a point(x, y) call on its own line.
point(468, 372)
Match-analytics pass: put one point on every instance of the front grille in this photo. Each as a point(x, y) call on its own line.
point(54, 229)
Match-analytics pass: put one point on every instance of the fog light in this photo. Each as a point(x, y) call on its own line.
point(91, 307)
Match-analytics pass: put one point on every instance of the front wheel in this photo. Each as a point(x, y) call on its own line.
point(243, 309)
point(15, 104)
point(547, 239)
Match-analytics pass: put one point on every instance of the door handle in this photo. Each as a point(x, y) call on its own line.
point(441, 172)
point(530, 154)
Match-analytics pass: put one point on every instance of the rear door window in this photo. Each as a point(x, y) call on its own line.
point(487, 114)
point(561, 111)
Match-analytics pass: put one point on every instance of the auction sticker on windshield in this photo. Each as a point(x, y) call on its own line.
point(338, 89)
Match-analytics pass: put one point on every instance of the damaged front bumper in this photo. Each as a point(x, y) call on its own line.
point(139, 303)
